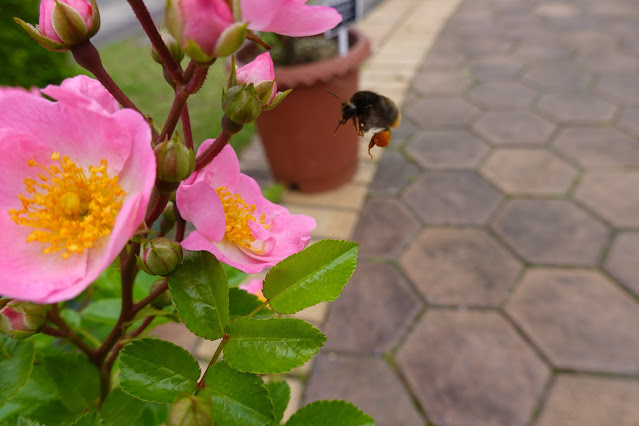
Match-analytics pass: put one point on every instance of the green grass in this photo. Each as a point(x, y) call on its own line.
point(130, 65)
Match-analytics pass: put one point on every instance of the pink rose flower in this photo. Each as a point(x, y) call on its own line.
point(234, 221)
point(288, 17)
point(254, 287)
point(204, 29)
point(76, 184)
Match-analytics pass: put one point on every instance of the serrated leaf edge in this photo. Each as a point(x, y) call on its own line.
point(166, 341)
point(260, 384)
point(222, 327)
point(330, 401)
point(28, 376)
point(355, 246)
point(322, 337)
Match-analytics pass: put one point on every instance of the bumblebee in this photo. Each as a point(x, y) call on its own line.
point(371, 111)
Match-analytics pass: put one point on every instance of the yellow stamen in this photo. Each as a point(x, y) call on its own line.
point(69, 209)
point(237, 215)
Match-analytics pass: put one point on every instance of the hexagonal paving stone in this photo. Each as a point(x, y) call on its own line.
point(494, 68)
point(591, 401)
point(629, 121)
point(452, 198)
point(528, 171)
point(501, 94)
point(621, 88)
point(533, 54)
point(478, 370)
point(598, 147)
point(563, 76)
point(366, 381)
point(576, 108)
point(579, 320)
point(378, 304)
point(384, 227)
point(552, 232)
point(556, 10)
point(446, 149)
point(613, 195)
point(440, 82)
point(393, 173)
point(513, 128)
point(460, 267)
point(478, 46)
point(585, 41)
point(622, 260)
point(441, 112)
point(603, 61)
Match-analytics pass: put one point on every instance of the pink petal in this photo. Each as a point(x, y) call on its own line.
point(199, 204)
point(258, 70)
point(83, 135)
point(204, 21)
point(83, 91)
point(253, 287)
point(137, 174)
point(289, 17)
point(225, 251)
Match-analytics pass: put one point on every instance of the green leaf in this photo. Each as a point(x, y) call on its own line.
point(274, 345)
point(280, 393)
point(90, 419)
point(201, 294)
point(237, 398)
point(122, 409)
point(316, 274)
point(242, 303)
point(143, 283)
point(330, 413)
point(104, 311)
point(76, 378)
point(52, 413)
point(72, 318)
point(156, 370)
point(16, 363)
point(24, 421)
point(234, 275)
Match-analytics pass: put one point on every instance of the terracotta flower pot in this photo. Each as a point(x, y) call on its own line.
point(298, 135)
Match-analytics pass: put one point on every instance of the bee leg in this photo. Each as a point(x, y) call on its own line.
point(356, 125)
point(339, 123)
point(380, 139)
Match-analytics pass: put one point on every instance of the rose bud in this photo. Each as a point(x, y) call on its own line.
point(20, 320)
point(175, 161)
point(159, 256)
point(64, 23)
point(204, 30)
point(171, 44)
point(241, 104)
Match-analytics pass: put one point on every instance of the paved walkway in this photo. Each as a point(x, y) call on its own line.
point(499, 275)
point(498, 281)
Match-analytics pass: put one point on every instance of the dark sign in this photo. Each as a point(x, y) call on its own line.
point(350, 11)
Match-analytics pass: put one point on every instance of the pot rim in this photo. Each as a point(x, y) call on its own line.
point(308, 74)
